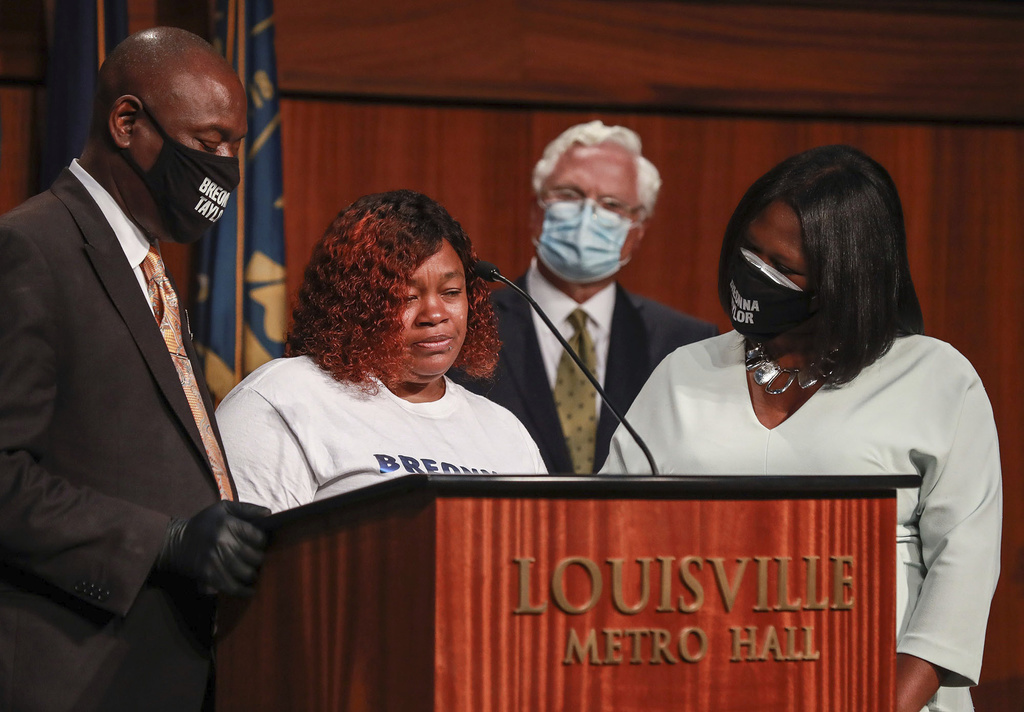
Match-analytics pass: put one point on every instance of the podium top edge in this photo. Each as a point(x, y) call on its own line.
point(641, 486)
point(615, 487)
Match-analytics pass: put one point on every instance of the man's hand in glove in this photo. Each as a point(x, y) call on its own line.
point(219, 547)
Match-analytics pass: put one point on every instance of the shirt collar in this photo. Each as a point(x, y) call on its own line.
point(558, 305)
point(133, 242)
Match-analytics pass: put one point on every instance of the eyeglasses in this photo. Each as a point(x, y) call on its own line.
point(572, 197)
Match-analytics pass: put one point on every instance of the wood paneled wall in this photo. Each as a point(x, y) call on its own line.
point(864, 58)
point(458, 98)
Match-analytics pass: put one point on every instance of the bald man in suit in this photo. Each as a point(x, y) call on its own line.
point(117, 523)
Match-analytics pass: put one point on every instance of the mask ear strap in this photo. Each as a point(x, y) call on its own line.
point(128, 208)
point(134, 166)
point(163, 135)
point(155, 123)
point(176, 145)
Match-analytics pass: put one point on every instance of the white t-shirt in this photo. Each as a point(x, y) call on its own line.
point(293, 434)
point(921, 408)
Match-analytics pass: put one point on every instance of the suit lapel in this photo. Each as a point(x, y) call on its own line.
point(521, 353)
point(107, 258)
point(628, 364)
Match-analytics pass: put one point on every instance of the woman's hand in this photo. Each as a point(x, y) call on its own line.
point(916, 681)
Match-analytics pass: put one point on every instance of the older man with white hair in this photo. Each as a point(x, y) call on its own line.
point(595, 192)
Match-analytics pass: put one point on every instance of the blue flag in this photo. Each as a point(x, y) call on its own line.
point(74, 60)
point(240, 305)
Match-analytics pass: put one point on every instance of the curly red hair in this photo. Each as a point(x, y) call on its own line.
point(348, 318)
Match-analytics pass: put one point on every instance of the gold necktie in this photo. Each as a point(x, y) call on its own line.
point(165, 308)
point(575, 398)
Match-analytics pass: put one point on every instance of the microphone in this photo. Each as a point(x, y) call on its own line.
point(489, 272)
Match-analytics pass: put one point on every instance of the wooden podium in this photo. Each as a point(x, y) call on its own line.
point(471, 593)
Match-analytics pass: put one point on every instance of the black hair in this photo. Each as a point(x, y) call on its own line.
point(856, 248)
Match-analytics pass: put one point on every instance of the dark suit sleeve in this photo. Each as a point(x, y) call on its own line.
point(90, 545)
point(669, 329)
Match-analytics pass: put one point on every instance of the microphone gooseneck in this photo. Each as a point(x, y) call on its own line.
point(490, 273)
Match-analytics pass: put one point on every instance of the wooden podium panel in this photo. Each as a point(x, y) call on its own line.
point(585, 594)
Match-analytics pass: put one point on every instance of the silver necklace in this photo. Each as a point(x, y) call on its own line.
point(767, 372)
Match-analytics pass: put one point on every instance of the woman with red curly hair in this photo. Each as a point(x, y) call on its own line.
point(389, 304)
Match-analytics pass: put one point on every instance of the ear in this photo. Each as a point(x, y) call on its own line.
point(122, 119)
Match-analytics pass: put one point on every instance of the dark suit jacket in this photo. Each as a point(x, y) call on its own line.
point(98, 449)
point(643, 333)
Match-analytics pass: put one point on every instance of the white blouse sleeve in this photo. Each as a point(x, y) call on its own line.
point(652, 409)
point(266, 459)
point(960, 510)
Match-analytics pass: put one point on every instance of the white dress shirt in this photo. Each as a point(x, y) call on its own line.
point(129, 236)
point(558, 306)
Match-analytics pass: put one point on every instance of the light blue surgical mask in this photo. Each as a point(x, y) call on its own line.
point(582, 244)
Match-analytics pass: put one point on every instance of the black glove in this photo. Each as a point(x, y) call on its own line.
point(218, 547)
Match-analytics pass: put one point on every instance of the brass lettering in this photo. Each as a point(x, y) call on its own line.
point(693, 585)
point(841, 583)
point(738, 642)
point(813, 604)
point(762, 583)
point(809, 652)
point(558, 584)
point(661, 639)
point(574, 648)
point(684, 645)
point(524, 564)
point(645, 586)
point(771, 644)
point(782, 584)
point(791, 651)
point(665, 601)
point(636, 636)
point(744, 647)
point(728, 591)
point(612, 646)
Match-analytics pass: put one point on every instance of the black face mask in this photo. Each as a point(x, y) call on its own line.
point(763, 308)
point(191, 187)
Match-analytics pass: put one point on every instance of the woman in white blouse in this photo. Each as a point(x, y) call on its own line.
point(827, 372)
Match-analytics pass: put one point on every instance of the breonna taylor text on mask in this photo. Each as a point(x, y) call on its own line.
point(212, 200)
point(742, 309)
